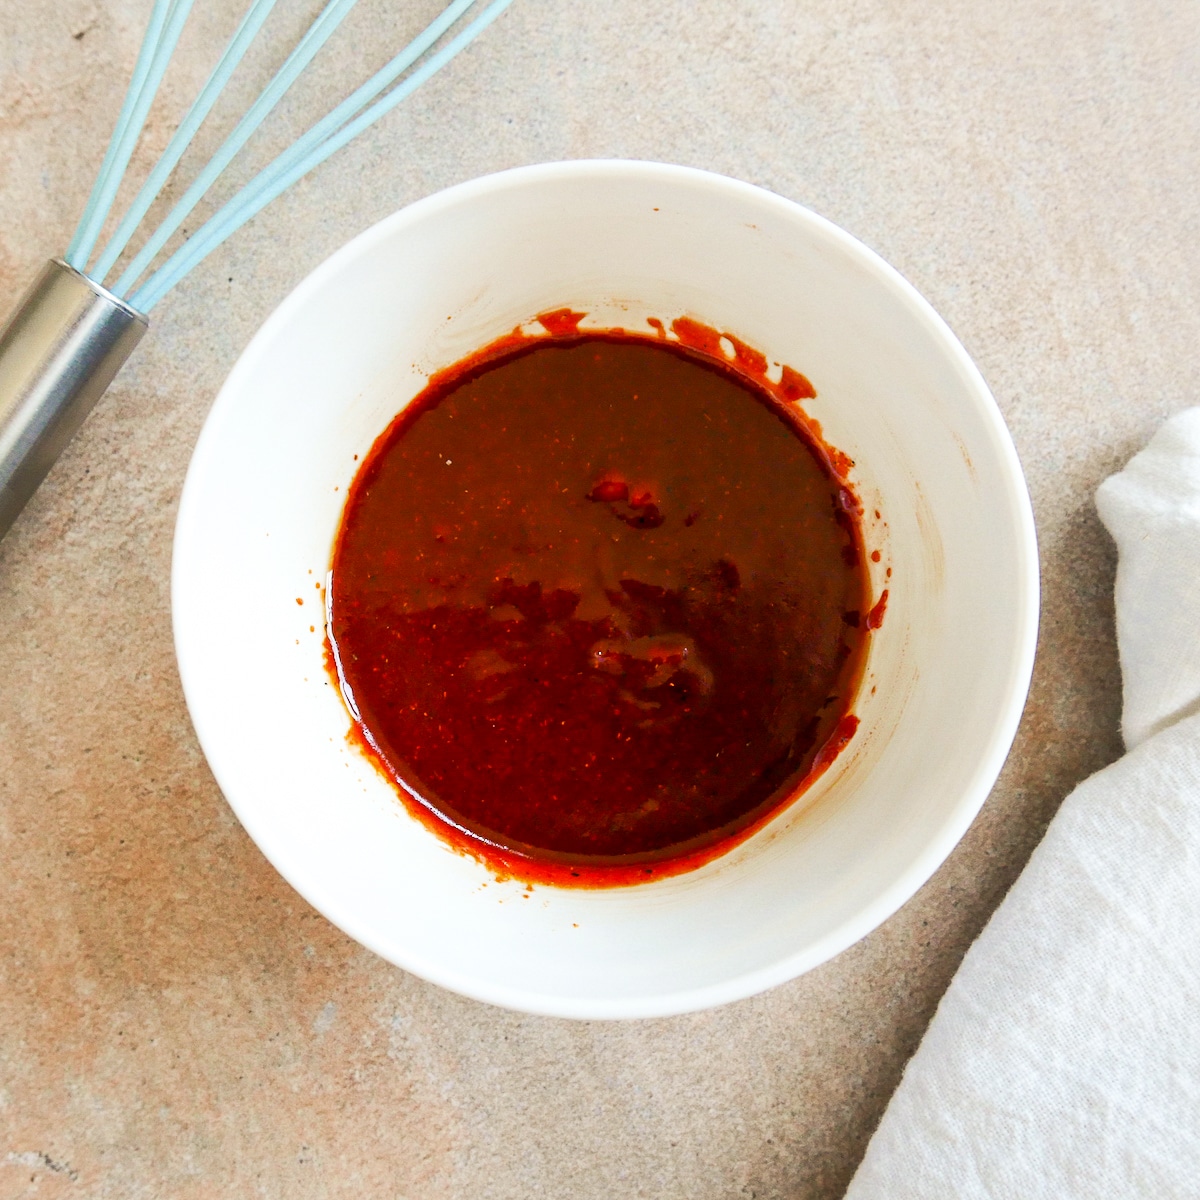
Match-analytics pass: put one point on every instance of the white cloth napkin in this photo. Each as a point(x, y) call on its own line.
point(1064, 1059)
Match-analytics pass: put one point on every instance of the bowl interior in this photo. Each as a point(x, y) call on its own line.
point(947, 672)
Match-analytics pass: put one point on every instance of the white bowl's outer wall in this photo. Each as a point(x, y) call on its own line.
point(622, 241)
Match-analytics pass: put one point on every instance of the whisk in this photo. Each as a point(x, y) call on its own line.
point(72, 330)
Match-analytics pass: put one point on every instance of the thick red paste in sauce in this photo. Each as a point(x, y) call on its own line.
point(599, 601)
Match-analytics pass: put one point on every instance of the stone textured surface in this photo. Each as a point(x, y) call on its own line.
point(174, 1020)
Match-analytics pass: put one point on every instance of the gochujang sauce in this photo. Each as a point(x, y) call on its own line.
point(598, 602)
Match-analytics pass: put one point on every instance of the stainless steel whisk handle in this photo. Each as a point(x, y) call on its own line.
point(59, 351)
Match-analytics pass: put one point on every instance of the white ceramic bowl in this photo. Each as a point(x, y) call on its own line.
point(947, 673)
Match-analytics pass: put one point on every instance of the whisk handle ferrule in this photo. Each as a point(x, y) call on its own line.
point(59, 351)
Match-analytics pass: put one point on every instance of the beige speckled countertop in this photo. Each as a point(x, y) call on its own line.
point(174, 1020)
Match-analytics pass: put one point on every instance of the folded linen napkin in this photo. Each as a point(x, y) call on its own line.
point(1064, 1059)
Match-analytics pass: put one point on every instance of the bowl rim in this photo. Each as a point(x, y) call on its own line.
point(960, 814)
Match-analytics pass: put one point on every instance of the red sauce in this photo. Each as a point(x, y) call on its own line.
point(597, 601)
point(875, 616)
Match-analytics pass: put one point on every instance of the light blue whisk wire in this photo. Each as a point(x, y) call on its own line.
point(166, 24)
point(234, 52)
point(405, 59)
point(317, 34)
point(318, 144)
point(338, 127)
